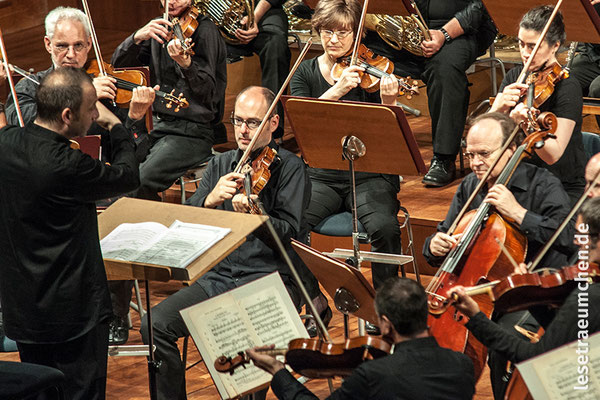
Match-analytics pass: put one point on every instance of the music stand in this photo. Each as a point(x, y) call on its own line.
point(582, 23)
point(389, 144)
point(129, 210)
point(347, 286)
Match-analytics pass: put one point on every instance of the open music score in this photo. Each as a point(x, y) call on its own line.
point(255, 314)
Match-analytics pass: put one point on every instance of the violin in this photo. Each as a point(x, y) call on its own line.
point(375, 68)
point(315, 358)
point(258, 173)
point(545, 82)
point(184, 27)
point(127, 80)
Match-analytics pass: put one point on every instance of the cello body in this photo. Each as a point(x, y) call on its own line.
point(483, 262)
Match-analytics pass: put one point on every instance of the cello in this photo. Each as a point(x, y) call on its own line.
point(479, 256)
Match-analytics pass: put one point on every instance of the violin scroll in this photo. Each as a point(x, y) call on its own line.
point(228, 365)
point(180, 101)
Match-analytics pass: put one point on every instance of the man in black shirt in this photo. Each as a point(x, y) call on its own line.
point(567, 325)
point(285, 198)
point(461, 30)
point(55, 297)
point(267, 37)
point(533, 200)
point(417, 369)
point(179, 140)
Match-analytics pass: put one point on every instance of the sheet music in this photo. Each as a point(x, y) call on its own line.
point(257, 313)
point(153, 243)
point(553, 375)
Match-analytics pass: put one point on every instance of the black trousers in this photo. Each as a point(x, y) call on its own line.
point(83, 361)
point(273, 51)
point(587, 72)
point(169, 326)
point(447, 85)
point(377, 208)
point(176, 146)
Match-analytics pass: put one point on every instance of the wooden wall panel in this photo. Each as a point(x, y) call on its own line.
point(20, 15)
point(122, 15)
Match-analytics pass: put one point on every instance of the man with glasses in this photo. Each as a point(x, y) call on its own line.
point(285, 198)
point(533, 200)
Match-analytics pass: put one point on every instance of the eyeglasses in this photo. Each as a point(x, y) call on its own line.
point(251, 123)
point(482, 155)
point(329, 33)
point(63, 48)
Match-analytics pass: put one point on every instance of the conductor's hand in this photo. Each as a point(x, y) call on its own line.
point(246, 35)
point(348, 80)
point(265, 362)
point(225, 189)
point(509, 97)
point(500, 197)
point(389, 90)
point(464, 303)
point(176, 52)
point(430, 47)
point(157, 29)
point(105, 87)
point(442, 243)
point(142, 97)
point(106, 119)
point(240, 202)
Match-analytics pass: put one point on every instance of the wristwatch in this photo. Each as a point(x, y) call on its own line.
point(446, 35)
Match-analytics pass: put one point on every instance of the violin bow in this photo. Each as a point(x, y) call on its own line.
point(358, 38)
point(11, 83)
point(166, 13)
point(261, 127)
point(95, 44)
point(426, 34)
point(538, 258)
point(523, 74)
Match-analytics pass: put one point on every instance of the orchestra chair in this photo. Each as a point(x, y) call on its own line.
point(192, 175)
point(591, 144)
point(340, 225)
point(19, 380)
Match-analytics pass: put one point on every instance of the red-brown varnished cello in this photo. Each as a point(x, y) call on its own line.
point(479, 257)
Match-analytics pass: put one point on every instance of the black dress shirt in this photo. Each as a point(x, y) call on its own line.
point(202, 84)
point(563, 329)
point(52, 277)
point(285, 199)
point(418, 369)
point(547, 205)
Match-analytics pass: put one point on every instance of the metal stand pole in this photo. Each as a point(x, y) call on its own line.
point(153, 365)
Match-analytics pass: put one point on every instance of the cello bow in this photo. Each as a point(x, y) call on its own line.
point(11, 83)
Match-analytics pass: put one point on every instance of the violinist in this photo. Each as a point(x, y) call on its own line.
point(564, 157)
point(534, 200)
point(417, 369)
point(285, 197)
point(179, 140)
point(461, 30)
point(337, 22)
point(267, 37)
point(68, 42)
point(566, 326)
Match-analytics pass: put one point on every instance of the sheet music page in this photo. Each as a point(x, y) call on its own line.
point(554, 375)
point(182, 244)
point(154, 243)
point(251, 315)
point(127, 240)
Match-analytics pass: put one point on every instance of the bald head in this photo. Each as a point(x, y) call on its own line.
point(591, 172)
point(251, 106)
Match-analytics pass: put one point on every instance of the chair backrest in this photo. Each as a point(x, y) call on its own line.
point(591, 144)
